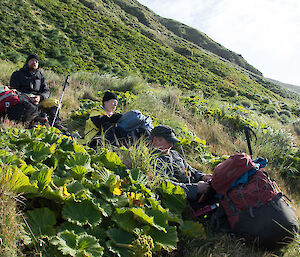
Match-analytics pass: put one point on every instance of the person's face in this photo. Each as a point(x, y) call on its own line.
point(110, 105)
point(161, 143)
point(33, 64)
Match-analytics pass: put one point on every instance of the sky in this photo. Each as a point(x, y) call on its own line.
point(265, 32)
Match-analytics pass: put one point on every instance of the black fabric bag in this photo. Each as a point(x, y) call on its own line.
point(272, 225)
point(23, 111)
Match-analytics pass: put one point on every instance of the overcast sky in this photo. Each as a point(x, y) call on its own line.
point(265, 32)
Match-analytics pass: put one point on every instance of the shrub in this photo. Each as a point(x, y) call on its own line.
point(284, 106)
point(232, 93)
point(266, 101)
point(14, 56)
point(246, 104)
point(285, 112)
point(270, 110)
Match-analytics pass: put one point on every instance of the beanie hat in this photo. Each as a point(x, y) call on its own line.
point(32, 56)
point(109, 95)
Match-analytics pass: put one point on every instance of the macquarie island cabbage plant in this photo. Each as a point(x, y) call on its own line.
point(82, 202)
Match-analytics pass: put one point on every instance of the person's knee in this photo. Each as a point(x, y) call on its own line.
point(48, 103)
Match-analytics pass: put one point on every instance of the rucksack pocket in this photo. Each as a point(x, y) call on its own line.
point(270, 225)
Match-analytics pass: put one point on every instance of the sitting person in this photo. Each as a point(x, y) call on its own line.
point(103, 119)
point(172, 166)
point(30, 81)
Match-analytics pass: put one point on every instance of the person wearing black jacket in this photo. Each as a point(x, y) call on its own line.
point(31, 82)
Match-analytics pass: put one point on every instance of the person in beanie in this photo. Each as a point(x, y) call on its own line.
point(170, 165)
point(102, 119)
point(31, 82)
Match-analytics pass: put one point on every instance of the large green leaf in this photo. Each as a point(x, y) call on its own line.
point(119, 250)
point(83, 245)
point(51, 138)
point(79, 172)
point(107, 194)
point(78, 159)
point(120, 242)
point(88, 246)
point(79, 163)
point(141, 216)
point(98, 232)
point(79, 148)
point(66, 144)
point(19, 182)
point(82, 213)
point(66, 242)
point(137, 176)
point(79, 191)
point(39, 151)
point(120, 236)
point(41, 222)
point(125, 220)
point(192, 229)
point(173, 217)
point(167, 241)
point(105, 207)
point(43, 177)
point(71, 227)
point(27, 169)
point(111, 160)
point(59, 194)
point(173, 197)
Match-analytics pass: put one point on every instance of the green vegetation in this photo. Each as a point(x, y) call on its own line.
point(108, 202)
point(105, 37)
point(61, 178)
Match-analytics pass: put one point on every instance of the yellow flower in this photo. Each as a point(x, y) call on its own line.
point(117, 190)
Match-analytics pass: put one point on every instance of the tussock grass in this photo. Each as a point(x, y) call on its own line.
point(225, 246)
point(5, 124)
point(6, 69)
point(10, 221)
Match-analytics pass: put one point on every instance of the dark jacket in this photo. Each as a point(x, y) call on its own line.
point(29, 82)
point(174, 168)
point(98, 121)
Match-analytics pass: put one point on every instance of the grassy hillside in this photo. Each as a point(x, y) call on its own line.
point(161, 68)
point(105, 36)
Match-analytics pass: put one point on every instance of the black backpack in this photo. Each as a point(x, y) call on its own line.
point(24, 111)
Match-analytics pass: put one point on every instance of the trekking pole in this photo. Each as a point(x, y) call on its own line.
point(247, 131)
point(59, 103)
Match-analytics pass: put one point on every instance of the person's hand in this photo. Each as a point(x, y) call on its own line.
point(202, 187)
point(207, 177)
point(36, 99)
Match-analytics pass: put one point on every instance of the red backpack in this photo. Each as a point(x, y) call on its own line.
point(8, 99)
point(253, 205)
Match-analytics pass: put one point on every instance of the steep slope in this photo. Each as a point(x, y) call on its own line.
point(294, 88)
point(121, 37)
point(153, 21)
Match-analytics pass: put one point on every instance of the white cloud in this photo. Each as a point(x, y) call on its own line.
point(265, 32)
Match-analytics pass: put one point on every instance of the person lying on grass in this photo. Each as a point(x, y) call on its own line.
point(173, 167)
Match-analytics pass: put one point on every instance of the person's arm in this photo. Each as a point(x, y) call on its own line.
point(100, 120)
point(14, 81)
point(45, 90)
point(115, 117)
point(164, 170)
